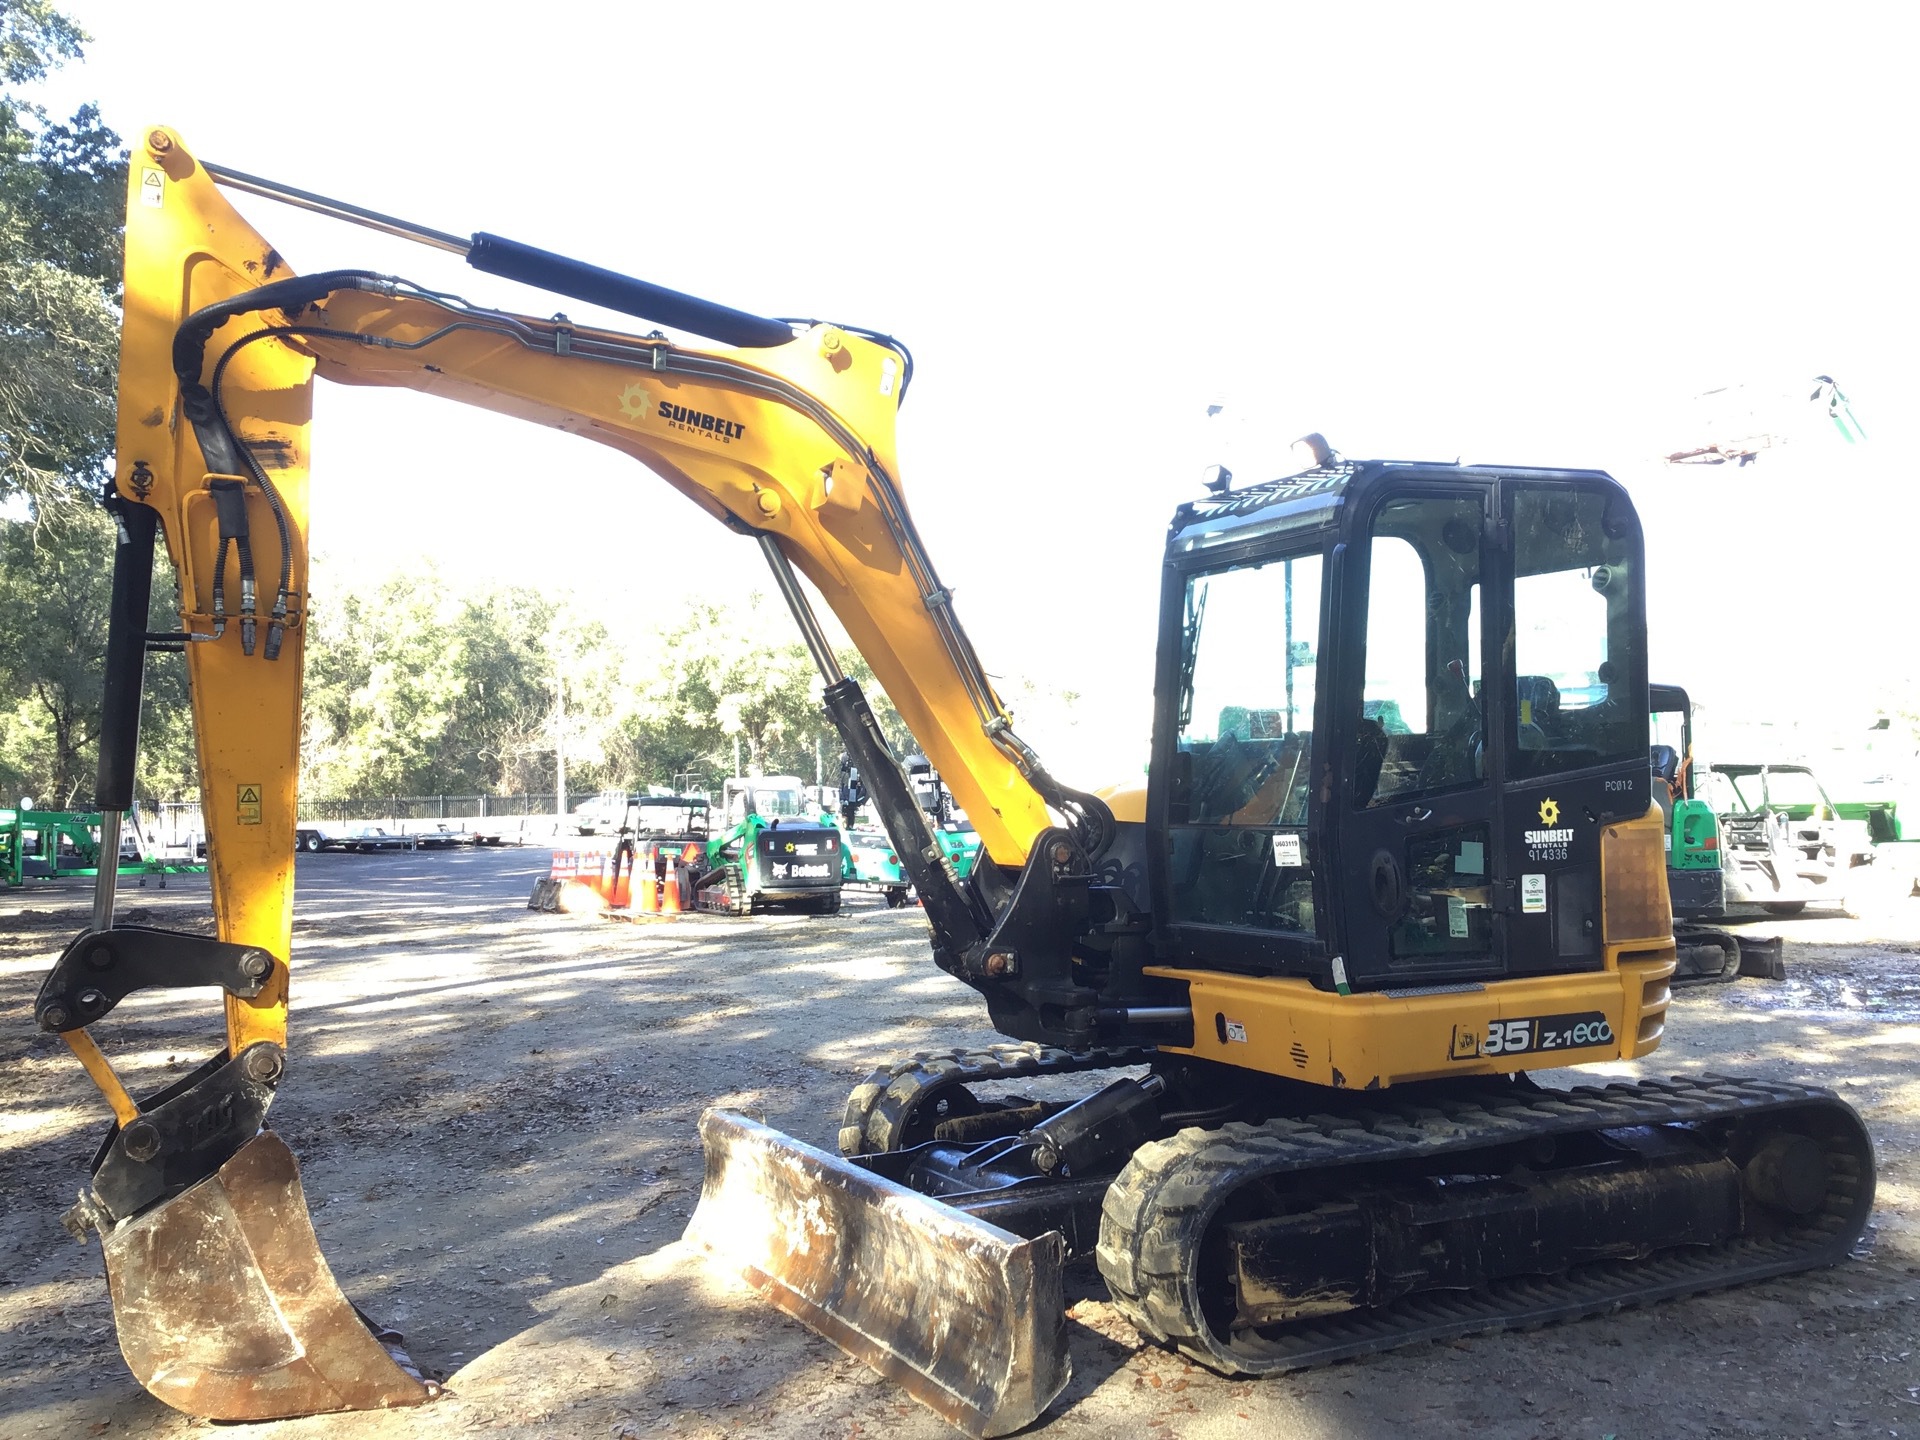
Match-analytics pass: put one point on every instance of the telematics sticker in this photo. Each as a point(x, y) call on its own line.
point(1533, 894)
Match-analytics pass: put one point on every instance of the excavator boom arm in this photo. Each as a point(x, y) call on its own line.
point(793, 441)
point(224, 1305)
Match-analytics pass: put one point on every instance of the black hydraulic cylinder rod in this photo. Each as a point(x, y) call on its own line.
point(126, 657)
point(562, 275)
point(955, 926)
point(581, 281)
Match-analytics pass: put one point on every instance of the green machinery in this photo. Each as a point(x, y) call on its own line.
point(1696, 882)
point(776, 849)
point(872, 863)
point(56, 844)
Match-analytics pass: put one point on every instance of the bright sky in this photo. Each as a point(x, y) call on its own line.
point(1522, 234)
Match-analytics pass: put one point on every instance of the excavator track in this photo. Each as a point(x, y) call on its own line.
point(1707, 956)
point(1162, 1257)
point(889, 1110)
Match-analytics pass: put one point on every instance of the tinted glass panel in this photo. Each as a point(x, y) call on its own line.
point(1250, 659)
point(1450, 904)
point(1575, 598)
point(1419, 724)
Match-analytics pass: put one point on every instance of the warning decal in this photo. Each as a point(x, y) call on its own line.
point(249, 797)
point(153, 187)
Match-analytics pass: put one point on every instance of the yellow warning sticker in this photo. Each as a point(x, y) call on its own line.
point(153, 187)
point(249, 804)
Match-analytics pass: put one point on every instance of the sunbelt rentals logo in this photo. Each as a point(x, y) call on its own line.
point(637, 403)
point(1551, 833)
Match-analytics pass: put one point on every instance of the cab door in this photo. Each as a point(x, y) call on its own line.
point(1240, 869)
point(1418, 800)
point(1575, 728)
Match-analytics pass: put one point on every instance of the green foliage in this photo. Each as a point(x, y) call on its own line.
point(34, 38)
point(716, 674)
point(61, 192)
point(59, 342)
point(55, 584)
point(63, 199)
point(725, 673)
point(61, 188)
point(418, 687)
point(54, 580)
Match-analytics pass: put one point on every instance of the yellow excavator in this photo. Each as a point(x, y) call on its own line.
point(1395, 854)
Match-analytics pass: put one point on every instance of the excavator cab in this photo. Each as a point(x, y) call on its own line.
point(1399, 704)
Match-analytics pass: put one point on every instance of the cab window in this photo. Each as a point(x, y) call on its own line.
point(1249, 666)
point(1577, 664)
point(1419, 727)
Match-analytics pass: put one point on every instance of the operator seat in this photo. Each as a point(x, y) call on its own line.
point(1666, 771)
point(1537, 709)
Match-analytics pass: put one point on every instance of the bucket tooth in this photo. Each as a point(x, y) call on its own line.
point(226, 1309)
point(967, 1318)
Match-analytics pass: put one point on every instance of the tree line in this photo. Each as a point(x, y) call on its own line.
point(417, 683)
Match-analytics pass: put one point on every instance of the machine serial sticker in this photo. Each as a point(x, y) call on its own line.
point(153, 187)
point(1457, 918)
point(1236, 1032)
point(1286, 850)
point(1533, 894)
point(249, 804)
point(1536, 1033)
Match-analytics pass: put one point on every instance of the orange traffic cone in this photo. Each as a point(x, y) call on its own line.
point(670, 888)
point(649, 886)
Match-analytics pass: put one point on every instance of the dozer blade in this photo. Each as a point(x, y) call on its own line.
point(226, 1308)
point(969, 1319)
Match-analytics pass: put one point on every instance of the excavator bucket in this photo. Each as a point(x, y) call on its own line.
point(226, 1308)
point(967, 1318)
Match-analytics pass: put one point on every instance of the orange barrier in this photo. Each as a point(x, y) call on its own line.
point(587, 872)
point(579, 897)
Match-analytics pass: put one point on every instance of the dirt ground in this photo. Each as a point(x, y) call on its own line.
point(495, 1111)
